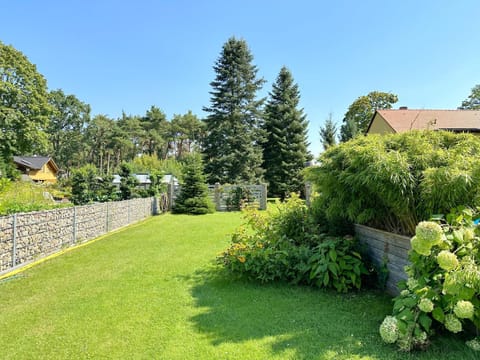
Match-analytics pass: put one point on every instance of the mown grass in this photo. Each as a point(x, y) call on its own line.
point(152, 292)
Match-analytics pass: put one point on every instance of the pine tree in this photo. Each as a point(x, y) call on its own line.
point(286, 149)
point(328, 133)
point(193, 198)
point(232, 146)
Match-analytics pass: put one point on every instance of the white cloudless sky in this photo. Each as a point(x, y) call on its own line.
point(128, 55)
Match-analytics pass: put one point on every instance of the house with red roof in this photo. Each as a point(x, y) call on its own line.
point(404, 119)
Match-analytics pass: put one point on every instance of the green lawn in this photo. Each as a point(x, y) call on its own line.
point(151, 292)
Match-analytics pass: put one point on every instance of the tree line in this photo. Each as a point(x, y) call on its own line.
point(242, 139)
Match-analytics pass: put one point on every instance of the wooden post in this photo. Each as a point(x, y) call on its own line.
point(217, 196)
point(263, 202)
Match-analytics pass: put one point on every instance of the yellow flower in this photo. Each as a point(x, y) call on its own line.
point(241, 258)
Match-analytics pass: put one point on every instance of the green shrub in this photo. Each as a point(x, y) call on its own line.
point(88, 186)
point(392, 182)
point(443, 286)
point(284, 244)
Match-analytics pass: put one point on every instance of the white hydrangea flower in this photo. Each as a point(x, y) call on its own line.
point(389, 329)
point(464, 309)
point(426, 305)
point(452, 323)
point(421, 246)
point(429, 232)
point(448, 261)
point(412, 283)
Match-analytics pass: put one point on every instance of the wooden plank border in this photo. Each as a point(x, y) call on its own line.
point(386, 248)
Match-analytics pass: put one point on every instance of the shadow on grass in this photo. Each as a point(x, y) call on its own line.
point(314, 324)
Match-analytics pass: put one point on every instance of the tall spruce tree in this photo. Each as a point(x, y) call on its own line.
point(232, 146)
point(286, 149)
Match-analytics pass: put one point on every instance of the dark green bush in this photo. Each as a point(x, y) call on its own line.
point(88, 186)
point(394, 181)
point(284, 244)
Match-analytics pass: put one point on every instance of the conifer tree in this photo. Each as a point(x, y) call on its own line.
point(286, 149)
point(328, 133)
point(232, 146)
point(128, 182)
point(193, 198)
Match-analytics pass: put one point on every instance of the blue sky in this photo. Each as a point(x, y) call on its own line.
point(129, 55)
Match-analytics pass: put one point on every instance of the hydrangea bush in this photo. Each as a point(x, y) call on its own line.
point(443, 286)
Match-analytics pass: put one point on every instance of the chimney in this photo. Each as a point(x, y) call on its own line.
point(403, 108)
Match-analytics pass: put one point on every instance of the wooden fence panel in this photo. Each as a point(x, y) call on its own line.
point(388, 249)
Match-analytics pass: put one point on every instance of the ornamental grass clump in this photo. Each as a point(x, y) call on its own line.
point(443, 286)
point(392, 182)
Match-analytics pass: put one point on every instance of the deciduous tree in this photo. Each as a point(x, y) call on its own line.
point(361, 111)
point(473, 100)
point(24, 107)
point(68, 121)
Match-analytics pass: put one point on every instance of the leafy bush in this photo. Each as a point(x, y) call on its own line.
point(88, 186)
point(284, 244)
point(443, 286)
point(392, 182)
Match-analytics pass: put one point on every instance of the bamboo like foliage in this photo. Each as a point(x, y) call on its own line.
point(393, 182)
